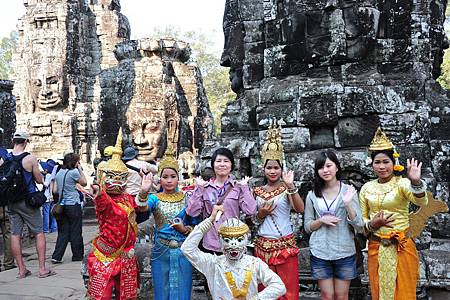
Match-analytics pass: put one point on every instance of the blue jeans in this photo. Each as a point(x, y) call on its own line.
point(343, 269)
point(48, 220)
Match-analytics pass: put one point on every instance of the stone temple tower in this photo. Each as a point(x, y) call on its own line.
point(332, 72)
point(68, 93)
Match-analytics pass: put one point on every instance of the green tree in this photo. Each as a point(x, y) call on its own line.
point(215, 77)
point(7, 45)
point(444, 79)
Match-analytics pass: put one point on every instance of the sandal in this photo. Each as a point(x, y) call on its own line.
point(27, 273)
point(49, 273)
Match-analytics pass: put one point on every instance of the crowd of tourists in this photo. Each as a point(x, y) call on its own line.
point(209, 229)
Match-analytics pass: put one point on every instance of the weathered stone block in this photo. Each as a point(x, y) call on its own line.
point(355, 131)
point(318, 110)
point(286, 113)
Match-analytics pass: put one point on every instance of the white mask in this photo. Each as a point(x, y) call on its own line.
point(234, 236)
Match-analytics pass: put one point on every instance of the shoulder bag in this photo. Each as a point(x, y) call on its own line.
point(58, 209)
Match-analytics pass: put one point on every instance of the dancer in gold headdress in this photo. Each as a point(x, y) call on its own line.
point(112, 263)
point(172, 278)
point(275, 242)
point(234, 275)
point(393, 263)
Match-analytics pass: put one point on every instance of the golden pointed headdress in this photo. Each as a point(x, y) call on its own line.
point(115, 164)
point(273, 148)
point(168, 160)
point(381, 142)
point(233, 228)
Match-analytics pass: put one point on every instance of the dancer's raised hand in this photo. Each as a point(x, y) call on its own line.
point(288, 178)
point(414, 170)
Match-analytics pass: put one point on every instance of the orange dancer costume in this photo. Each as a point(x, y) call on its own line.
point(393, 263)
point(112, 262)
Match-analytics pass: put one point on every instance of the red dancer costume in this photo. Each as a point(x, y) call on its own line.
point(275, 241)
point(112, 262)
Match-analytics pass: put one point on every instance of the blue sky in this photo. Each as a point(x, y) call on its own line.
point(204, 15)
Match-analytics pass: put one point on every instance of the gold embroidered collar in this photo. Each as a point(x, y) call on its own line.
point(261, 192)
point(172, 198)
point(242, 292)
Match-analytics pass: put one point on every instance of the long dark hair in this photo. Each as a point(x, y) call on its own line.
point(319, 162)
point(225, 152)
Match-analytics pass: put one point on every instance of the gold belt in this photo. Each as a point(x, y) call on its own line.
point(170, 243)
point(266, 244)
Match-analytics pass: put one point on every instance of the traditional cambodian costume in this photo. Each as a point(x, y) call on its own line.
point(393, 263)
point(275, 241)
point(112, 262)
point(172, 272)
point(236, 280)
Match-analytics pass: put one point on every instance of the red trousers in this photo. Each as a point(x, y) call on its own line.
point(288, 272)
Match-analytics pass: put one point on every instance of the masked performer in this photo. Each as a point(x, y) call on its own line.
point(112, 263)
point(393, 264)
point(172, 272)
point(275, 241)
point(234, 275)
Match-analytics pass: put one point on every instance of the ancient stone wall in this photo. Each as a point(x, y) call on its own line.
point(332, 72)
point(8, 116)
point(74, 90)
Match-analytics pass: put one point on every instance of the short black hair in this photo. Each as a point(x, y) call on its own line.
point(225, 152)
point(19, 141)
point(319, 162)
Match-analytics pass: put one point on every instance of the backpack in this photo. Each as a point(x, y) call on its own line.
point(13, 187)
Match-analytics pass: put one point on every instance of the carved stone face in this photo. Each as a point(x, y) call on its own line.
point(147, 138)
point(50, 92)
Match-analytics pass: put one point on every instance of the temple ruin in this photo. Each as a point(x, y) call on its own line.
point(80, 78)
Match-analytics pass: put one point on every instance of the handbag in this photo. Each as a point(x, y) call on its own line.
point(58, 209)
point(36, 199)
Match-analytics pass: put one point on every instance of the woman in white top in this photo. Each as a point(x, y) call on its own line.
point(330, 208)
point(275, 242)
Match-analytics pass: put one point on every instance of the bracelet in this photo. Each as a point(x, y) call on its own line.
point(138, 202)
point(257, 220)
point(369, 227)
point(143, 196)
point(418, 189)
point(188, 230)
point(292, 192)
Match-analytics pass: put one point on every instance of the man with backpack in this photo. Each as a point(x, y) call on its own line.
point(20, 213)
point(5, 226)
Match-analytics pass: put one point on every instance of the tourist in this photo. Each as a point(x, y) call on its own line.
point(330, 208)
point(385, 209)
point(49, 173)
point(112, 264)
point(220, 190)
point(5, 226)
point(135, 169)
point(70, 223)
point(234, 275)
point(174, 272)
point(275, 240)
point(20, 212)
